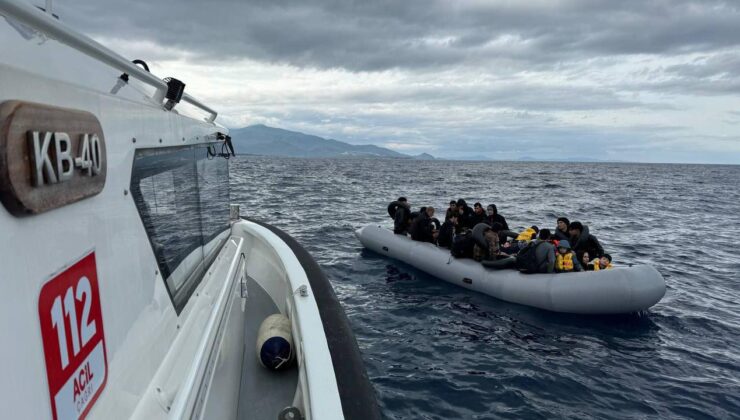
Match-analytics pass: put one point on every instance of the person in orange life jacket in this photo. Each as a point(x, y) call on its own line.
point(451, 210)
point(582, 241)
point(566, 260)
point(603, 263)
point(528, 234)
point(561, 232)
point(521, 239)
point(478, 216)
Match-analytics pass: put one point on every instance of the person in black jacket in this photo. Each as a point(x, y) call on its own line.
point(492, 217)
point(478, 215)
point(422, 228)
point(451, 210)
point(447, 232)
point(584, 242)
point(400, 211)
point(465, 213)
point(561, 232)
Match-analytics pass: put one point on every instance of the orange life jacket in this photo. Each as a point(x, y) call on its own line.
point(527, 235)
point(597, 266)
point(564, 262)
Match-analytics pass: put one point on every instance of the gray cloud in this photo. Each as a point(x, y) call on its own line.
point(631, 79)
point(376, 35)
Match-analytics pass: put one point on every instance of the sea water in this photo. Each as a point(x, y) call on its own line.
point(436, 351)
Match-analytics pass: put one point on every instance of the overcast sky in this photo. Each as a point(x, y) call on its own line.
point(643, 80)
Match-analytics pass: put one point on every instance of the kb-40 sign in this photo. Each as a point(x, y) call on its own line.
point(51, 157)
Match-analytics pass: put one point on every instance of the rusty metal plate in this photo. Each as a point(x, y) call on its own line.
point(49, 157)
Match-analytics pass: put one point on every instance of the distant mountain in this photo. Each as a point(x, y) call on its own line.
point(263, 140)
point(423, 156)
point(577, 159)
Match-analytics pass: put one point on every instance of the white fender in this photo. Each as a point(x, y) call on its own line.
point(275, 342)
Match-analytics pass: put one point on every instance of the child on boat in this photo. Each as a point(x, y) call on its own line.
point(566, 260)
point(586, 262)
point(603, 263)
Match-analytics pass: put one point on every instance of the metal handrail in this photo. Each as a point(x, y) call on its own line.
point(44, 22)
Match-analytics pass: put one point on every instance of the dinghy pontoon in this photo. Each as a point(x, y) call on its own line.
point(615, 291)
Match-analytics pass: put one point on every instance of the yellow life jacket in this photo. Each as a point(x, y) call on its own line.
point(527, 235)
point(564, 262)
point(597, 266)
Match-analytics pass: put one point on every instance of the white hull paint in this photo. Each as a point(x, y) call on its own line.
point(615, 291)
point(160, 364)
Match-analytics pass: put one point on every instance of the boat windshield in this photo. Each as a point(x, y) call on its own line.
point(182, 196)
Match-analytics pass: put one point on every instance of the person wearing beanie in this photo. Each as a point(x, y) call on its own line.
point(566, 260)
point(561, 232)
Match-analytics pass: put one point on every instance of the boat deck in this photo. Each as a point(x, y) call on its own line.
point(263, 393)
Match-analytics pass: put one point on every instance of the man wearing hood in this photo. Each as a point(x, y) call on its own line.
point(465, 214)
point(492, 217)
point(583, 241)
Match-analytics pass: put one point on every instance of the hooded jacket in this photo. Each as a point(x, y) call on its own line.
point(585, 242)
point(560, 235)
point(494, 218)
point(465, 217)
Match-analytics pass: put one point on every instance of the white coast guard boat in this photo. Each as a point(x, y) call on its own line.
point(127, 289)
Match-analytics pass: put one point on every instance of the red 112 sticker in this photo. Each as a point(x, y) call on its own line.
point(74, 344)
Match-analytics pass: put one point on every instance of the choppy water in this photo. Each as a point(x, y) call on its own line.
point(436, 351)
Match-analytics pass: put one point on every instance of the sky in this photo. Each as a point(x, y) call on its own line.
point(628, 80)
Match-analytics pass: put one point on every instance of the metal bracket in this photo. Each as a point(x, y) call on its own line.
point(302, 291)
point(290, 413)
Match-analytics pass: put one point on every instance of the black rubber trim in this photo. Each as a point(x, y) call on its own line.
point(356, 393)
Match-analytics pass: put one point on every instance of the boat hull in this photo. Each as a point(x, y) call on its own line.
point(616, 291)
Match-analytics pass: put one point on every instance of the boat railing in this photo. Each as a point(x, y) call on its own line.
point(37, 19)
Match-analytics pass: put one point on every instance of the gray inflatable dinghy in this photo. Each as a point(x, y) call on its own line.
point(615, 291)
